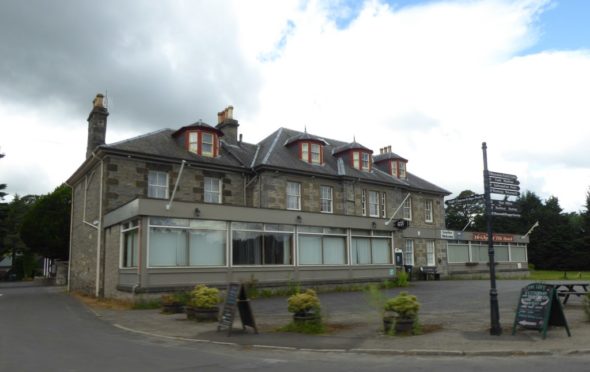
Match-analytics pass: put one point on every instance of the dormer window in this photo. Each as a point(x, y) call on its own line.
point(203, 143)
point(199, 138)
point(402, 169)
point(361, 160)
point(311, 152)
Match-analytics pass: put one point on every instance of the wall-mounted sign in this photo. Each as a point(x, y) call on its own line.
point(401, 223)
point(447, 234)
point(479, 236)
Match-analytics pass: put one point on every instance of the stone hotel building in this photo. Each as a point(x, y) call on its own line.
point(176, 207)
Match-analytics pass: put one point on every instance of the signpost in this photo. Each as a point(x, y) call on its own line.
point(538, 308)
point(468, 199)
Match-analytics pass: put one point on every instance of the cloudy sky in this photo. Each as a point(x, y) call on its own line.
point(433, 79)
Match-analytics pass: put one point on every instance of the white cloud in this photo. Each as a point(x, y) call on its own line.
point(432, 80)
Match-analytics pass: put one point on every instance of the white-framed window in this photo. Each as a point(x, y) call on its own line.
point(407, 209)
point(207, 144)
point(326, 201)
point(366, 161)
point(364, 202)
point(316, 156)
point(321, 246)
point(176, 242)
point(370, 247)
point(394, 168)
point(193, 142)
point(311, 153)
point(130, 244)
point(409, 253)
point(258, 244)
point(402, 169)
point(356, 160)
point(373, 204)
point(430, 253)
point(157, 184)
point(212, 190)
point(383, 205)
point(428, 217)
point(294, 195)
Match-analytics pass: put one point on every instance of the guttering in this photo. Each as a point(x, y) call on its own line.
point(99, 227)
point(71, 232)
point(175, 185)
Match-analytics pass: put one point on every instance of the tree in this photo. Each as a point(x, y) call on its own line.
point(2, 185)
point(12, 243)
point(46, 226)
point(459, 215)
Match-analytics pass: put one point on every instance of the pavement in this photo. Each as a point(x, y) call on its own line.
point(454, 314)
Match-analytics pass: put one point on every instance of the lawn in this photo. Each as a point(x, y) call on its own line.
point(559, 275)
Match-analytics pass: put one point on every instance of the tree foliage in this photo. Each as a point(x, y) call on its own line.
point(46, 226)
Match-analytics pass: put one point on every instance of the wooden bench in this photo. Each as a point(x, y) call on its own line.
point(566, 294)
point(427, 272)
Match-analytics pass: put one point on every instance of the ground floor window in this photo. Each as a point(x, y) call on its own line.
point(322, 249)
point(368, 247)
point(409, 253)
point(465, 251)
point(430, 253)
point(258, 244)
point(178, 242)
point(130, 240)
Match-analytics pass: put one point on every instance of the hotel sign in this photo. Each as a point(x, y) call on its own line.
point(502, 238)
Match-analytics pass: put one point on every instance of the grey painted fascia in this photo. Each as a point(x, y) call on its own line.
point(155, 207)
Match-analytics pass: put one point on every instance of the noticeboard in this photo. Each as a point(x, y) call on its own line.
point(538, 308)
point(236, 298)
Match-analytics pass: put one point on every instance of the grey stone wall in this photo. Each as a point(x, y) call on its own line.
point(112, 252)
point(127, 179)
point(84, 237)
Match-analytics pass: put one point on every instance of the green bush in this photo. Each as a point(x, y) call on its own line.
point(304, 302)
point(204, 297)
point(404, 305)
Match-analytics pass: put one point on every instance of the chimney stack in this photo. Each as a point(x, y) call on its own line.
point(97, 124)
point(228, 125)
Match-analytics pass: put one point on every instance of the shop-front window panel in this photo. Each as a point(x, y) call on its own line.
point(517, 253)
point(501, 253)
point(262, 248)
point(458, 252)
point(168, 247)
point(207, 248)
point(130, 248)
point(322, 250)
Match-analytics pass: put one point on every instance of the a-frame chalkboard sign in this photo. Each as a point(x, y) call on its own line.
point(236, 297)
point(538, 308)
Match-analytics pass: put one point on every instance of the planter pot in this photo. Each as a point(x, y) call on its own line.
point(173, 308)
point(202, 315)
point(388, 323)
point(403, 325)
point(306, 317)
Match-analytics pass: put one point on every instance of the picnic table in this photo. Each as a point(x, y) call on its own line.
point(568, 289)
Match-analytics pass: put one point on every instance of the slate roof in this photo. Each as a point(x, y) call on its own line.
point(388, 156)
point(272, 152)
point(305, 137)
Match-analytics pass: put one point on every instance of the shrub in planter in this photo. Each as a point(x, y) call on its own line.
point(304, 306)
point(202, 305)
point(174, 303)
point(401, 313)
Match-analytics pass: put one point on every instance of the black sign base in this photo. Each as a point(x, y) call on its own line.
point(538, 308)
point(236, 297)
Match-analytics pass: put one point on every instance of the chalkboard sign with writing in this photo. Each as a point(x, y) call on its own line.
point(236, 297)
point(538, 308)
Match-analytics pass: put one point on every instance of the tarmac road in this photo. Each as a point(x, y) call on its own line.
point(42, 328)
